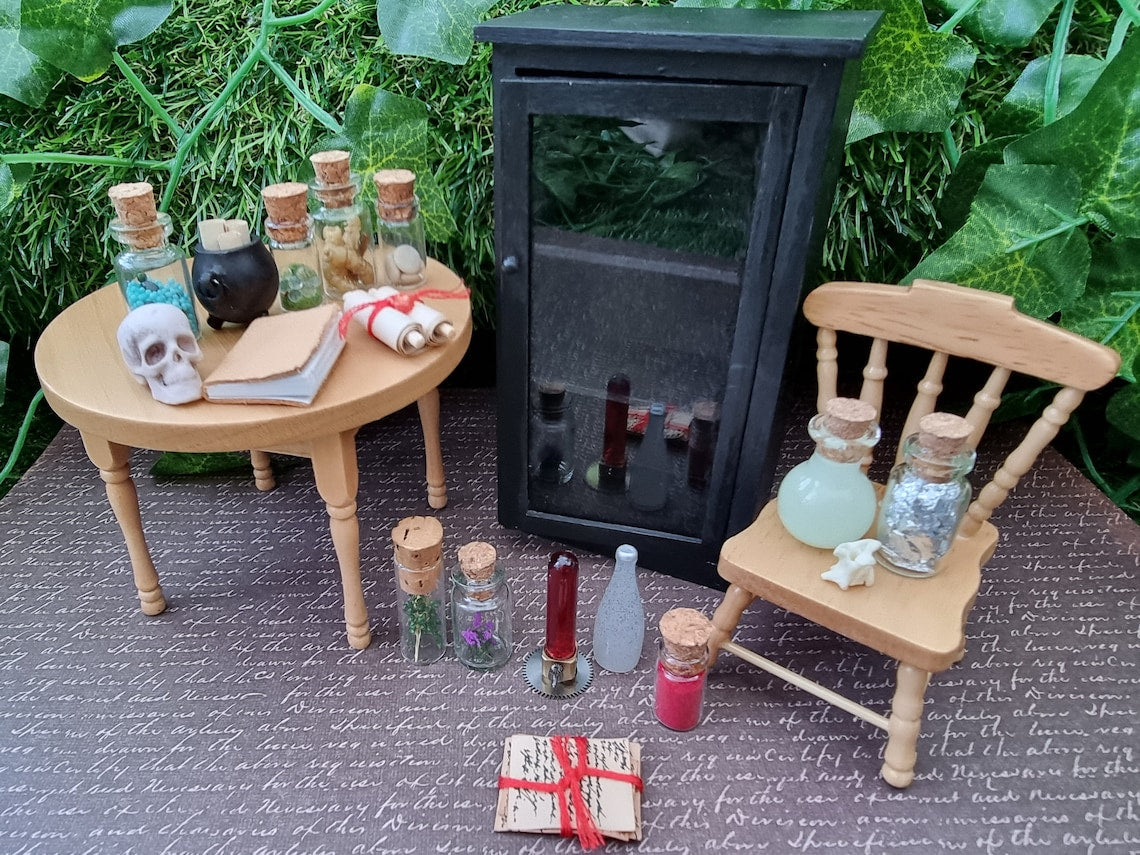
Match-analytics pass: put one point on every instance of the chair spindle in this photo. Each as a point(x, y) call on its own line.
point(1021, 459)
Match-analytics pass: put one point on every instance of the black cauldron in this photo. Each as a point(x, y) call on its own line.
point(235, 285)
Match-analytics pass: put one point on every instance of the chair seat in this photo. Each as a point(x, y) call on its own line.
point(916, 621)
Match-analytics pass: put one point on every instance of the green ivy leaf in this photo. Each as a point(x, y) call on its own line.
point(912, 78)
point(1100, 141)
point(80, 35)
point(1100, 312)
point(442, 29)
point(1011, 205)
point(1123, 410)
point(13, 178)
point(1023, 108)
point(967, 177)
point(1009, 23)
point(389, 131)
point(23, 75)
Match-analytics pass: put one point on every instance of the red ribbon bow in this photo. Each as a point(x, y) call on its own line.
point(401, 302)
point(571, 782)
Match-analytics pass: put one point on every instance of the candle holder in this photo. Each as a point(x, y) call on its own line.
point(557, 669)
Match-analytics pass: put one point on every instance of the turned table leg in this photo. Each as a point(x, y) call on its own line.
point(113, 461)
point(334, 469)
point(904, 725)
point(433, 454)
point(262, 470)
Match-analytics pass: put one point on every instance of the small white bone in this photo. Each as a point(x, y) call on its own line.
point(856, 564)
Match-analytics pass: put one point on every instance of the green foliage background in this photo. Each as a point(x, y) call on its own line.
point(905, 205)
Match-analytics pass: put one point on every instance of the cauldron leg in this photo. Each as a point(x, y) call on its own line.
point(215, 323)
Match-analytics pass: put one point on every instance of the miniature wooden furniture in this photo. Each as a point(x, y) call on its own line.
point(919, 622)
point(86, 382)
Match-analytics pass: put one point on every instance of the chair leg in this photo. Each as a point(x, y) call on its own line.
point(904, 725)
point(727, 616)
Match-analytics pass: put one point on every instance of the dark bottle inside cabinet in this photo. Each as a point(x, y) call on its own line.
point(662, 177)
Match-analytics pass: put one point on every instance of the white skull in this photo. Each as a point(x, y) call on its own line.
point(159, 349)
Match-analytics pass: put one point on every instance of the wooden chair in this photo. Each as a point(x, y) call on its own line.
point(765, 561)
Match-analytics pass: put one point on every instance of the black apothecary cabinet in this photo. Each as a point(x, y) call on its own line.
point(662, 177)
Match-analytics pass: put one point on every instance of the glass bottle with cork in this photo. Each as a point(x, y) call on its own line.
point(552, 437)
point(420, 594)
point(342, 227)
point(828, 499)
point(150, 269)
point(401, 248)
point(480, 608)
point(926, 497)
point(682, 667)
point(290, 231)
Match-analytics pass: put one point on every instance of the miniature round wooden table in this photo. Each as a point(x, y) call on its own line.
point(87, 383)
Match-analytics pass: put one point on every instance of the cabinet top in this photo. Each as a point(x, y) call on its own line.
point(701, 30)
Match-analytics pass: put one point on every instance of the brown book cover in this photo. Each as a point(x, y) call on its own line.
point(279, 359)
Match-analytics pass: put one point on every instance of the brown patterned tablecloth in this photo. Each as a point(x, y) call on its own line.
point(239, 721)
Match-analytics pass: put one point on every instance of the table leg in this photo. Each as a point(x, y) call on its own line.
point(262, 470)
point(113, 461)
point(433, 454)
point(334, 469)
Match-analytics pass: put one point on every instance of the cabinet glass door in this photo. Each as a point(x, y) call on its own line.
point(646, 248)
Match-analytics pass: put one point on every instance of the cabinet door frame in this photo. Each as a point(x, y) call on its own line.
point(777, 110)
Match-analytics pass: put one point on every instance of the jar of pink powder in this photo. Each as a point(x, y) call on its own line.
point(682, 664)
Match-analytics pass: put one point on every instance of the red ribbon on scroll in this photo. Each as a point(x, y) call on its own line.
point(568, 788)
point(401, 302)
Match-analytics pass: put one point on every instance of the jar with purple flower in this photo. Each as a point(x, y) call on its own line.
point(480, 608)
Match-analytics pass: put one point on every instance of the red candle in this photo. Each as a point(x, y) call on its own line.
point(679, 699)
point(561, 606)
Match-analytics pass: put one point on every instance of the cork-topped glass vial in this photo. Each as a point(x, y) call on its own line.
point(828, 499)
point(150, 269)
point(420, 592)
point(401, 251)
point(290, 231)
point(552, 437)
point(927, 495)
point(682, 663)
point(480, 608)
point(342, 227)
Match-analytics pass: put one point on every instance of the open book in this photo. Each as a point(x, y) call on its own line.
point(279, 359)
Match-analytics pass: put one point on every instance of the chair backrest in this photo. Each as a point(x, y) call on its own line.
point(954, 321)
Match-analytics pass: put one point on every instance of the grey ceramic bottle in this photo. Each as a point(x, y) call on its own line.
point(619, 628)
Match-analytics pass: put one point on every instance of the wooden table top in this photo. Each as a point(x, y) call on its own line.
point(86, 382)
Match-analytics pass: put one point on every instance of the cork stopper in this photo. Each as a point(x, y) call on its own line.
point(944, 433)
point(395, 192)
point(287, 211)
point(477, 562)
point(137, 214)
point(685, 633)
point(334, 185)
point(418, 543)
point(848, 418)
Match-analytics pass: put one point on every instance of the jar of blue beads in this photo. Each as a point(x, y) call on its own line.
point(150, 269)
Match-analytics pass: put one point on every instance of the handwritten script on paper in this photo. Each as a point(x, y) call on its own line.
point(614, 805)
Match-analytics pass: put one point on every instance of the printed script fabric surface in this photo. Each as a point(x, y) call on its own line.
point(240, 722)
